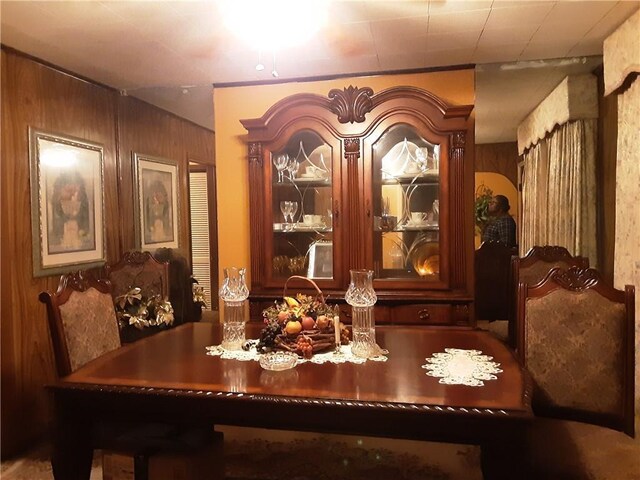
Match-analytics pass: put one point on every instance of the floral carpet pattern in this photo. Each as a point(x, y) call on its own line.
point(315, 458)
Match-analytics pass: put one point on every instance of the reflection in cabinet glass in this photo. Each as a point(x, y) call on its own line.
point(406, 184)
point(302, 207)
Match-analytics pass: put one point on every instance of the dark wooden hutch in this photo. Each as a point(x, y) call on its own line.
point(357, 180)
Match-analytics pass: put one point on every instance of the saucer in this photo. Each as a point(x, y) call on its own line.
point(311, 176)
point(416, 224)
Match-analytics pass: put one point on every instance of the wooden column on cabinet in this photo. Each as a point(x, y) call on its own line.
point(458, 258)
point(353, 195)
point(256, 196)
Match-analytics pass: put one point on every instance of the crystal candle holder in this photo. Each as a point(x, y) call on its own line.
point(233, 293)
point(362, 297)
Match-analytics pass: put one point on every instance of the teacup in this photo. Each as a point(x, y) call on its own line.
point(309, 219)
point(418, 217)
point(311, 171)
point(317, 219)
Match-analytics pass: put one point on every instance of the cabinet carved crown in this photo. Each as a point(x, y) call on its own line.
point(351, 104)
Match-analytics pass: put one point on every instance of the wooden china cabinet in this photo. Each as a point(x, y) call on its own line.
point(356, 180)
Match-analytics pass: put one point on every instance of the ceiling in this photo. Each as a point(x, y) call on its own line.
point(170, 53)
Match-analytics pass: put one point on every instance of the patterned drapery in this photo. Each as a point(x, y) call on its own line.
point(534, 198)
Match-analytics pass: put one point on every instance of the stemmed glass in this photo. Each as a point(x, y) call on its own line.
point(285, 208)
point(280, 162)
point(422, 156)
point(292, 168)
point(292, 211)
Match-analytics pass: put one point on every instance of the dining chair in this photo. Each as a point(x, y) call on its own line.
point(576, 339)
point(83, 326)
point(139, 269)
point(533, 268)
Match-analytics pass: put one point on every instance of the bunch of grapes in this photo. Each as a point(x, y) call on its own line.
point(268, 337)
point(304, 347)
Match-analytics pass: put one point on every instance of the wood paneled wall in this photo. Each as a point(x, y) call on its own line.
point(606, 178)
point(499, 158)
point(41, 96)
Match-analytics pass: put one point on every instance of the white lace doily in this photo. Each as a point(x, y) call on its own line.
point(343, 356)
point(462, 367)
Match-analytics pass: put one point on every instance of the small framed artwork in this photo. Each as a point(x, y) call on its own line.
point(321, 260)
point(156, 212)
point(67, 203)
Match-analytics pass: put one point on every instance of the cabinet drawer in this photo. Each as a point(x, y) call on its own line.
point(381, 314)
point(422, 314)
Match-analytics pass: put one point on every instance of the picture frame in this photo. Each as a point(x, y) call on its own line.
point(320, 260)
point(67, 203)
point(156, 211)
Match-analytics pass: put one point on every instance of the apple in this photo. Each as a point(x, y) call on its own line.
point(282, 316)
point(308, 323)
point(322, 322)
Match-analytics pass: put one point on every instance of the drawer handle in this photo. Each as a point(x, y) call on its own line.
point(424, 314)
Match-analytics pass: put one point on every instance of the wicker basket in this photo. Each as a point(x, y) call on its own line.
point(306, 341)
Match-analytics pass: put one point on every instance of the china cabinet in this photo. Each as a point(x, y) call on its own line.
point(364, 180)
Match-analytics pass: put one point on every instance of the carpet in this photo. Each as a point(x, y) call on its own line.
point(254, 454)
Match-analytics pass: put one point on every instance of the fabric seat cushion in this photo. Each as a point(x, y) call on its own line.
point(565, 450)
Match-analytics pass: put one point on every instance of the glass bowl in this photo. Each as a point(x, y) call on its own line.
point(277, 361)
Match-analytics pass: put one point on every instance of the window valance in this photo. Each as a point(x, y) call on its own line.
point(622, 54)
point(575, 98)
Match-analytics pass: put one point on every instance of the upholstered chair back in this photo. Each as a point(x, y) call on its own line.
point(532, 269)
point(82, 320)
point(139, 269)
point(576, 339)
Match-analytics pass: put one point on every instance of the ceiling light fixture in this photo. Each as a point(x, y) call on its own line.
point(274, 24)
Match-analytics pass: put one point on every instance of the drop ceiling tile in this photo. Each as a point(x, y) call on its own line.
point(81, 14)
point(448, 6)
point(505, 36)
point(587, 47)
point(349, 40)
point(531, 14)
point(389, 9)
point(582, 12)
point(402, 61)
point(459, 22)
point(450, 41)
point(546, 50)
point(498, 53)
point(612, 20)
point(392, 28)
point(456, 56)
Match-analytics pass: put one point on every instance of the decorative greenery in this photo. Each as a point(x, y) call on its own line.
point(133, 308)
point(296, 308)
point(483, 197)
point(198, 293)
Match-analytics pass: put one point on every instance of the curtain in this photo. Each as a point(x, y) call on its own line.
point(534, 198)
point(571, 206)
point(559, 191)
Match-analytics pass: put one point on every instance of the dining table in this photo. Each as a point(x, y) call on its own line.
point(410, 392)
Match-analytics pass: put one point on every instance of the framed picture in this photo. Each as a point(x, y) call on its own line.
point(67, 203)
point(320, 260)
point(156, 185)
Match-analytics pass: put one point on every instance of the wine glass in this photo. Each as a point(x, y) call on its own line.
point(292, 211)
point(284, 208)
point(292, 168)
point(280, 162)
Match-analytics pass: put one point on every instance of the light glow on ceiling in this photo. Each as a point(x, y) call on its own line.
point(271, 25)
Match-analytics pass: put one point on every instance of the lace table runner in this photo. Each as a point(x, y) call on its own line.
point(343, 356)
point(455, 366)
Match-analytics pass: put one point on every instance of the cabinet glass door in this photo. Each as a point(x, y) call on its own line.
point(406, 206)
point(302, 199)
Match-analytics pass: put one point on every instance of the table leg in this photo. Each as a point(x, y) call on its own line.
point(506, 459)
point(72, 448)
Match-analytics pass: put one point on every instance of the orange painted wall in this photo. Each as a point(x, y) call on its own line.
point(235, 103)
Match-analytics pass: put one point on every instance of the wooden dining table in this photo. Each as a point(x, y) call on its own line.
point(170, 378)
